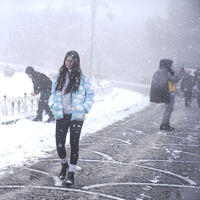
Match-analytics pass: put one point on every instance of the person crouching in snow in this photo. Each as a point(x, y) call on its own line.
point(41, 84)
point(163, 90)
point(72, 97)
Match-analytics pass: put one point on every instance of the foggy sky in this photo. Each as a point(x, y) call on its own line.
point(120, 28)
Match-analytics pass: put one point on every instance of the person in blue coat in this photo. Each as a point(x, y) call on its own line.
point(72, 97)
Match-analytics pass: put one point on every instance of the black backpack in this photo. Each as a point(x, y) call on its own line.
point(159, 92)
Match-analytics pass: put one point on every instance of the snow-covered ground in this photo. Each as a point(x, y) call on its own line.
point(26, 141)
point(15, 86)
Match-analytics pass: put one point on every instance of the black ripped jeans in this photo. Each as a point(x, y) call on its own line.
point(62, 126)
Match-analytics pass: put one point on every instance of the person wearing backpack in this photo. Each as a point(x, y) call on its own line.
point(163, 90)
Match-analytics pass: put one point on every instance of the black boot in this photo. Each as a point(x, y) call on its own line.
point(69, 180)
point(171, 128)
point(51, 118)
point(166, 127)
point(63, 171)
point(37, 118)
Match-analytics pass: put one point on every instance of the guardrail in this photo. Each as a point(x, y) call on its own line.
point(19, 105)
point(102, 90)
point(14, 109)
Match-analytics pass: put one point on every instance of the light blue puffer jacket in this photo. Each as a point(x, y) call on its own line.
point(82, 100)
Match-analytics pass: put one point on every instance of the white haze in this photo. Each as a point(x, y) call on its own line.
point(31, 35)
point(129, 37)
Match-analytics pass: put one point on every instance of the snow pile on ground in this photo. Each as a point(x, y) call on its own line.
point(15, 86)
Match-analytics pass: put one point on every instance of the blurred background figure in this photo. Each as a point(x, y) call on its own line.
point(41, 84)
point(187, 84)
point(197, 83)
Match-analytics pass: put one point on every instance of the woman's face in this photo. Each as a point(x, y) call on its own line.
point(69, 62)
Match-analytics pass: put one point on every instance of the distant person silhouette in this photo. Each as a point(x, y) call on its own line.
point(197, 83)
point(187, 84)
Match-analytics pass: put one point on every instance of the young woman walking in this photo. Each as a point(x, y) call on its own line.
point(72, 97)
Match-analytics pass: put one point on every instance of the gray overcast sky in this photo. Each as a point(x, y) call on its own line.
point(138, 10)
point(125, 14)
point(123, 9)
point(130, 11)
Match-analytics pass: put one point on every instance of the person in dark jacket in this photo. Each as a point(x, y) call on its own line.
point(163, 90)
point(187, 84)
point(41, 84)
point(197, 82)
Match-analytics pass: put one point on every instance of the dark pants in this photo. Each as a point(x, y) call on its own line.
point(188, 97)
point(62, 126)
point(169, 107)
point(43, 103)
point(198, 98)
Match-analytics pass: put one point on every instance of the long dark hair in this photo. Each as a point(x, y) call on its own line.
point(74, 74)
